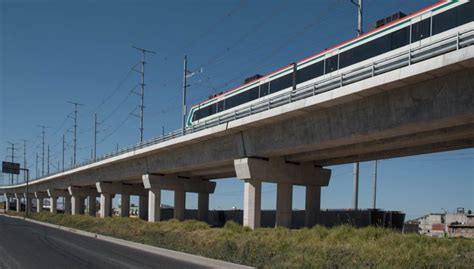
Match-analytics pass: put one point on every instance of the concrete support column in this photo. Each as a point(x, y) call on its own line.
point(53, 202)
point(313, 204)
point(180, 185)
point(40, 196)
point(179, 204)
point(154, 205)
point(203, 206)
point(143, 207)
point(67, 205)
point(125, 205)
point(92, 205)
point(7, 202)
point(126, 190)
point(39, 205)
point(284, 205)
point(252, 203)
point(285, 174)
point(32, 202)
point(105, 205)
point(77, 205)
point(18, 204)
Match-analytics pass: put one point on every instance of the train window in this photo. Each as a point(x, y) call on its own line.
point(466, 13)
point(201, 113)
point(400, 38)
point(355, 55)
point(331, 64)
point(281, 83)
point(232, 102)
point(420, 30)
point(309, 72)
point(380, 45)
point(445, 21)
point(263, 89)
point(349, 57)
point(252, 94)
point(220, 106)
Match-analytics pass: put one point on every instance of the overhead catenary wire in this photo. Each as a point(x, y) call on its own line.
point(211, 28)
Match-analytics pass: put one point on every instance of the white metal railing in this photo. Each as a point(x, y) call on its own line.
point(405, 58)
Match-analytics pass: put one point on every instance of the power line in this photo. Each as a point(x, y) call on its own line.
point(116, 129)
point(287, 41)
point(253, 30)
point(212, 27)
point(116, 89)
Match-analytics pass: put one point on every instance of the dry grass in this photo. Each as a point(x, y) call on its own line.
point(318, 247)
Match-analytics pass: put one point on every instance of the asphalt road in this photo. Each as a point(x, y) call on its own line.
point(28, 245)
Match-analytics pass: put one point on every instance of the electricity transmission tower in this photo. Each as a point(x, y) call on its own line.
point(24, 157)
point(43, 132)
point(142, 89)
point(95, 136)
point(75, 130)
point(13, 157)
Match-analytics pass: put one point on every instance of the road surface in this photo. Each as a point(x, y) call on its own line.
point(27, 245)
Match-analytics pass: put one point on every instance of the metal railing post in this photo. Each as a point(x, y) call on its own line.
point(457, 41)
point(409, 56)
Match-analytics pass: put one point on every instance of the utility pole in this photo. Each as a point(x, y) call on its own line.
point(95, 136)
point(12, 148)
point(186, 74)
point(185, 85)
point(43, 127)
point(360, 6)
point(24, 157)
point(36, 164)
point(48, 160)
point(75, 130)
point(142, 92)
point(355, 168)
point(374, 201)
point(64, 148)
point(355, 195)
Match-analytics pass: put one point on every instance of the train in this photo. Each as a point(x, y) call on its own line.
point(390, 34)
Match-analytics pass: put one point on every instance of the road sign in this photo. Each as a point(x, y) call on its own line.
point(11, 168)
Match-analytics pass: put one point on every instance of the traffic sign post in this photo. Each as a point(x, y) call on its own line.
point(14, 168)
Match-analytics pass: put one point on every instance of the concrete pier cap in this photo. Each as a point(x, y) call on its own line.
point(277, 170)
point(254, 171)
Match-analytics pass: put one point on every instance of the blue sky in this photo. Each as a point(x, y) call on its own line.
point(58, 51)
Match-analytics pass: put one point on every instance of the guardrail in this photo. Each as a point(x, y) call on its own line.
point(408, 57)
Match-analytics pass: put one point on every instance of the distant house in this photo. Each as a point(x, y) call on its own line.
point(466, 229)
point(458, 224)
